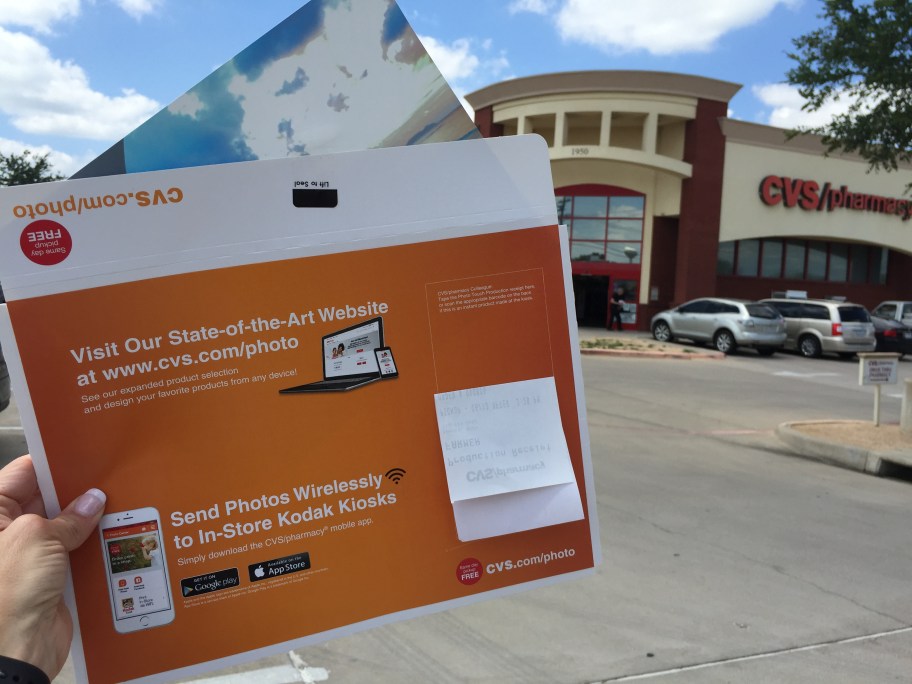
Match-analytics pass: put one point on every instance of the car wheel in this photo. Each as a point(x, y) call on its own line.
point(661, 331)
point(724, 342)
point(766, 351)
point(809, 346)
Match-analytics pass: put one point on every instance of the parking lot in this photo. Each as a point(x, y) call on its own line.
point(727, 558)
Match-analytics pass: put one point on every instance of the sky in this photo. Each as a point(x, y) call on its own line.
point(78, 75)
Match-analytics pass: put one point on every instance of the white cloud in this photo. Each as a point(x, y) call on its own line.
point(455, 60)
point(37, 15)
point(44, 96)
point(61, 162)
point(138, 8)
point(660, 27)
point(41, 15)
point(533, 6)
point(463, 66)
point(786, 103)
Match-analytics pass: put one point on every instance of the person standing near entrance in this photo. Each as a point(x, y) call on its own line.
point(617, 306)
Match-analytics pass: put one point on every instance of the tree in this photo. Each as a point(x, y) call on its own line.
point(26, 168)
point(863, 54)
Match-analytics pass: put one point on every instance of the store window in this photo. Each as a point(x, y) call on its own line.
point(814, 260)
point(725, 265)
point(839, 262)
point(605, 227)
point(859, 264)
point(794, 259)
point(771, 265)
point(748, 256)
point(882, 257)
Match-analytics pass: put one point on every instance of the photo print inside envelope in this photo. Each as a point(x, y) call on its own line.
point(507, 463)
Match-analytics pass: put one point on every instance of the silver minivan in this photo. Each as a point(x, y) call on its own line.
point(817, 326)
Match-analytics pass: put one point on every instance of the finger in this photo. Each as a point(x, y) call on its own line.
point(76, 522)
point(18, 486)
point(35, 506)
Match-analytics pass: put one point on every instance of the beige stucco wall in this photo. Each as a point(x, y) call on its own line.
point(641, 129)
point(744, 215)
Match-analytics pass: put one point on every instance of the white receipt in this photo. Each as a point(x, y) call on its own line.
point(506, 458)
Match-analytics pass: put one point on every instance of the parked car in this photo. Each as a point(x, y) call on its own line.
point(817, 326)
point(892, 336)
point(895, 311)
point(726, 323)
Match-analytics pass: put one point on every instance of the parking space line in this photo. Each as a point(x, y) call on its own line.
point(735, 432)
point(759, 656)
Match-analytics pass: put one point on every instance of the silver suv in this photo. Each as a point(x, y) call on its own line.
point(816, 326)
point(726, 323)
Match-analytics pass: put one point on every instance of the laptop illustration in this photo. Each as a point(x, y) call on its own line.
point(348, 359)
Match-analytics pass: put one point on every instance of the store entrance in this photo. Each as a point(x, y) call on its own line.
point(591, 293)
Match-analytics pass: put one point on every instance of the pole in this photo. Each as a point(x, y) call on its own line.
point(876, 405)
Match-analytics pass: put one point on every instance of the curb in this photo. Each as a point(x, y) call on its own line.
point(651, 354)
point(835, 453)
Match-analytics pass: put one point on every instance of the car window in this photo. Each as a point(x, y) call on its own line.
point(787, 309)
point(886, 311)
point(761, 311)
point(854, 314)
point(728, 308)
point(698, 306)
point(817, 312)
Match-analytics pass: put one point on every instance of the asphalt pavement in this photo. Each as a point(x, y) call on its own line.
point(727, 559)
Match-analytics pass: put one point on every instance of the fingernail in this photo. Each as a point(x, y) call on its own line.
point(90, 503)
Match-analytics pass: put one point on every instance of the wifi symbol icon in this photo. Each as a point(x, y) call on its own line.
point(395, 474)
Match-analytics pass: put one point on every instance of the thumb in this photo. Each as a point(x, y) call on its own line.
point(76, 522)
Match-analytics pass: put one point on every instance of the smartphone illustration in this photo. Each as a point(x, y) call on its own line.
point(386, 362)
point(136, 570)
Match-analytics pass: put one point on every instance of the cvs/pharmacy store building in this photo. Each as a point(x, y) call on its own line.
point(667, 197)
